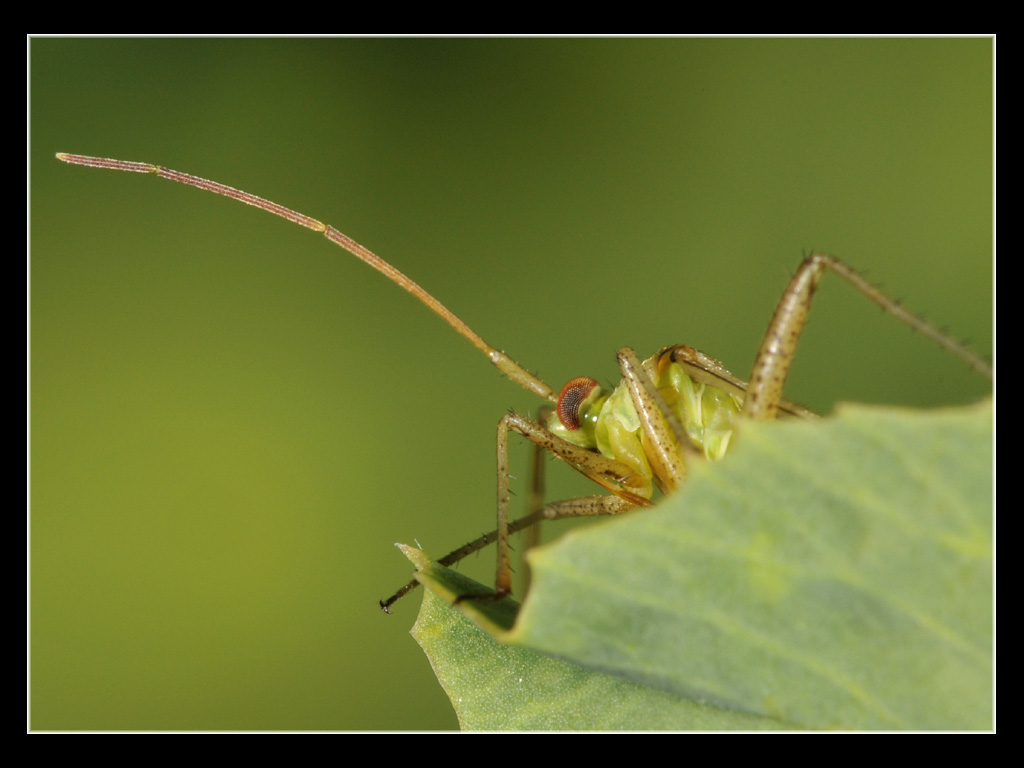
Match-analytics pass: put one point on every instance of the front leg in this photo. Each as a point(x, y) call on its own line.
point(609, 473)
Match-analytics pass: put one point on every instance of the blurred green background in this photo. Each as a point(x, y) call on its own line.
point(232, 420)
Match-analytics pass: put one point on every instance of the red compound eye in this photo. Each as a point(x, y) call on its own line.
point(571, 398)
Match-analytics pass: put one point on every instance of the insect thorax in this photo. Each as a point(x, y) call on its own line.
point(609, 422)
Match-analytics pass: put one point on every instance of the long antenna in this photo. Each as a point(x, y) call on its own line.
point(501, 361)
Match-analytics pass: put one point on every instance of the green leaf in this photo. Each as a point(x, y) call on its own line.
point(503, 687)
point(831, 574)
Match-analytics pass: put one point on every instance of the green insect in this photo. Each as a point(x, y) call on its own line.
point(668, 409)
